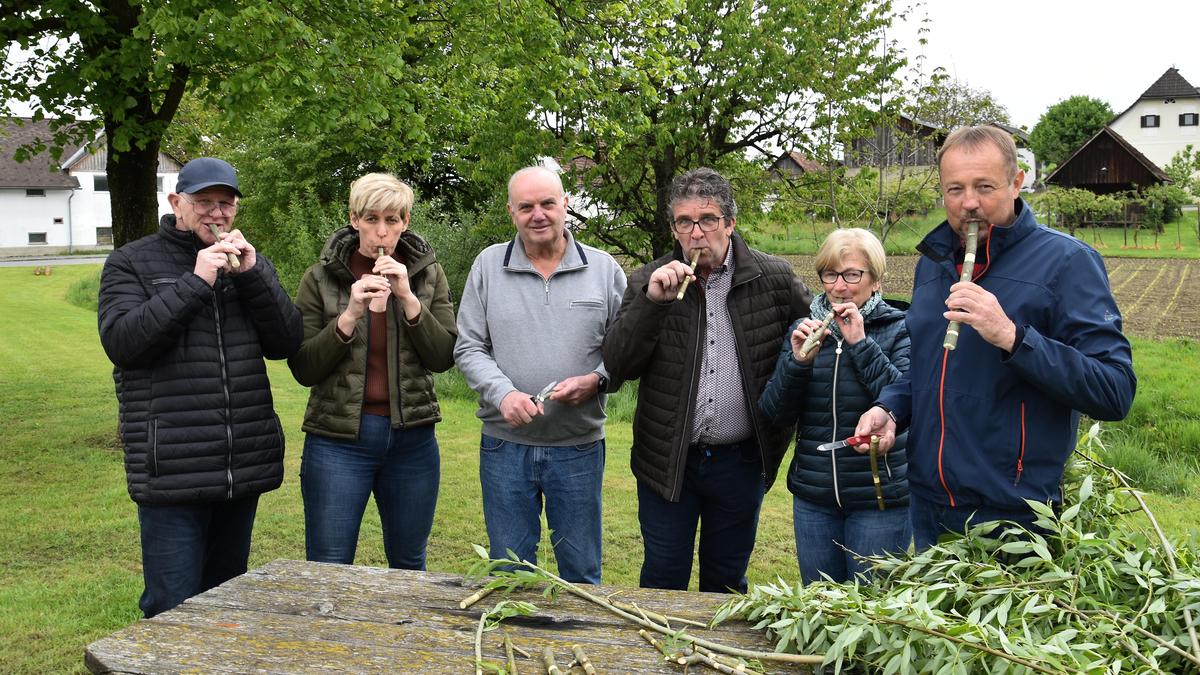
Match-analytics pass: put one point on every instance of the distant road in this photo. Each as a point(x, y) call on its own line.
point(52, 261)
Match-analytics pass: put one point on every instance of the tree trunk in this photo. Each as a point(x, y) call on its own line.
point(662, 239)
point(132, 189)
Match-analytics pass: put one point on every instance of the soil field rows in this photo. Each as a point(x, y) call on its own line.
point(1158, 298)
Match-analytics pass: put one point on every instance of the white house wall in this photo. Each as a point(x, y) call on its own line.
point(21, 215)
point(92, 209)
point(1159, 144)
point(1025, 158)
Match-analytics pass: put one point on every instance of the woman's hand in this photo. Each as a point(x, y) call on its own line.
point(800, 334)
point(850, 322)
point(362, 293)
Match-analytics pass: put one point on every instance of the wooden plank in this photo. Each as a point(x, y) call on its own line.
point(292, 616)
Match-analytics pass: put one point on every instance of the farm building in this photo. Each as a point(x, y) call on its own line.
point(793, 165)
point(1163, 120)
point(906, 142)
point(1107, 163)
point(48, 206)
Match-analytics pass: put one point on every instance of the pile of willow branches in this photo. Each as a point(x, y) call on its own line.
point(1093, 594)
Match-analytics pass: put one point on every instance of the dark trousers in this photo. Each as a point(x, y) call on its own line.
point(722, 491)
point(189, 549)
point(931, 520)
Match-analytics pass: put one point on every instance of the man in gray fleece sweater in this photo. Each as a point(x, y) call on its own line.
point(534, 312)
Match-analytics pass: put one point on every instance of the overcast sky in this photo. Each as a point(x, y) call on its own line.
point(1031, 55)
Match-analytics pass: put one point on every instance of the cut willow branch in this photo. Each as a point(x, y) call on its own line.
point(691, 659)
point(1156, 639)
point(510, 658)
point(475, 597)
point(1162, 537)
point(582, 660)
point(479, 644)
point(809, 659)
point(548, 661)
point(655, 616)
point(951, 638)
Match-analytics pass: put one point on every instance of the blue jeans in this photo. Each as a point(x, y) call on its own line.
point(401, 466)
point(515, 479)
point(931, 520)
point(822, 532)
point(722, 492)
point(189, 549)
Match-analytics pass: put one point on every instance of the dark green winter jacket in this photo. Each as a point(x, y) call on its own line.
point(336, 370)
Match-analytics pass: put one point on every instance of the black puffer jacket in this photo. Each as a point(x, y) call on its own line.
point(806, 395)
point(660, 343)
point(195, 410)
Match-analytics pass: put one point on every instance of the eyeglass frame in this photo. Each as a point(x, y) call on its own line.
point(693, 224)
point(230, 210)
point(842, 274)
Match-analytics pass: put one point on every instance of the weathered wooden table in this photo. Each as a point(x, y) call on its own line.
point(300, 617)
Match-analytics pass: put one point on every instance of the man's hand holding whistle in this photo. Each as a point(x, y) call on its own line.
point(669, 282)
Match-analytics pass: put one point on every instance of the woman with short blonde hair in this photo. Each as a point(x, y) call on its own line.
point(377, 320)
point(838, 514)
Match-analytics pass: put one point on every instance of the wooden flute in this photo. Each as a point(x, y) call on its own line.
point(814, 338)
point(684, 285)
point(968, 269)
point(233, 259)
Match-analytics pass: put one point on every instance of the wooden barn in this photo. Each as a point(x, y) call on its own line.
point(1105, 164)
point(793, 165)
point(905, 141)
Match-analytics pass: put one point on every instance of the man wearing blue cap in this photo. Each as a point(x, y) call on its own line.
point(187, 328)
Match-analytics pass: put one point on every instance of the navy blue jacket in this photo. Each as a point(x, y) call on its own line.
point(1010, 420)
point(825, 411)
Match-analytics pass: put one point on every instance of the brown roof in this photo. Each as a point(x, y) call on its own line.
point(1136, 154)
point(802, 161)
point(1171, 85)
point(38, 171)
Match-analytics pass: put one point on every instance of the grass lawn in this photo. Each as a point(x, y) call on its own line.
point(68, 531)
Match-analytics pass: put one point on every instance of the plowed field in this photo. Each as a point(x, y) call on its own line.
point(1158, 298)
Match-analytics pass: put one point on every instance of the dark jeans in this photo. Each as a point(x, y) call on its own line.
point(828, 537)
point(722, 491)
point(931, 520)
point(402, 467)
point(189, 549)
point(515, 478)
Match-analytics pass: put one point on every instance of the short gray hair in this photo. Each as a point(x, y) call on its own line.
point(970, 138)
point(534, 169)
point(704, 183)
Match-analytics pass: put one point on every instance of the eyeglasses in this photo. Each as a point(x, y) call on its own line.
point(706, 223)
point(205, 206)
point(849, 276)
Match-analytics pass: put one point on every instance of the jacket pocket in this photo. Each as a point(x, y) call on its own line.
point(1020, 467)
point(587, 303)
point(589, 447)
point(153, 459)
point(280, 437)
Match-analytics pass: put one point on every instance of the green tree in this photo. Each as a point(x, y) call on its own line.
point(330, 62)
point(1184, 172)
point(630, 95)
point(1065, 126)
point(949, 102)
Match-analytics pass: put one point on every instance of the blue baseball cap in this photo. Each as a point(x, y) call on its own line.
point(204, 172)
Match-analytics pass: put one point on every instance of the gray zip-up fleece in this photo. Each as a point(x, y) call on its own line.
point(519, 332)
